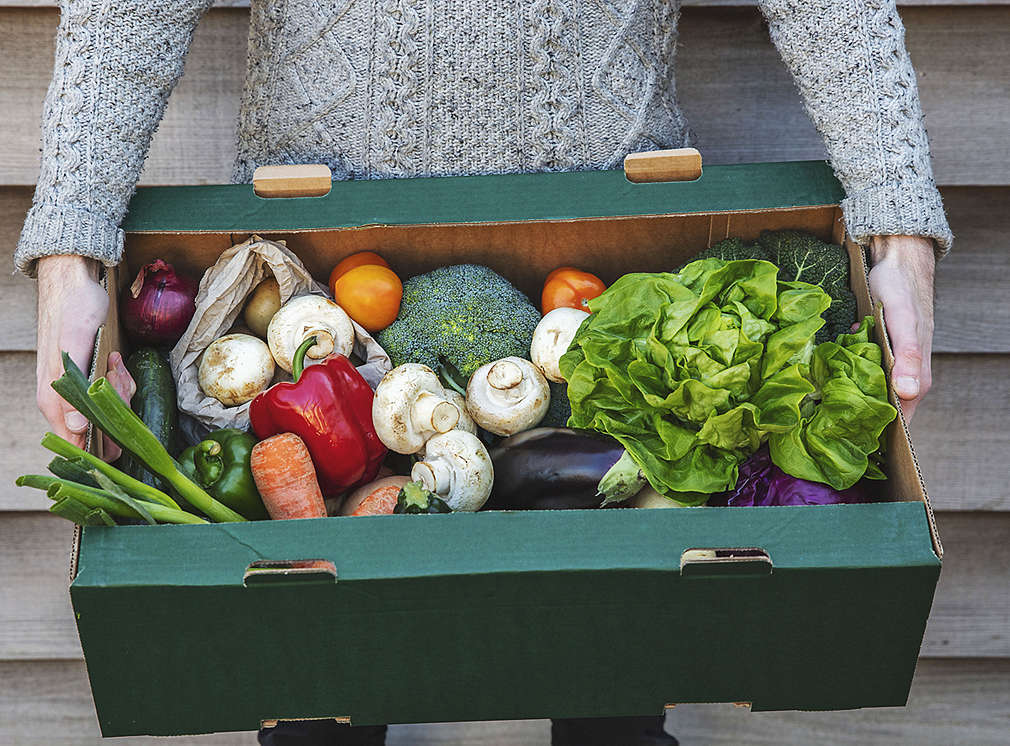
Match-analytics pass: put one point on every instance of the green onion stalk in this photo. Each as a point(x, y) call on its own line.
point(61, 490)
point(126, 427)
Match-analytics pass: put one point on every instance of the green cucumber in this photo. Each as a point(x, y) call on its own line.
point(154, 402)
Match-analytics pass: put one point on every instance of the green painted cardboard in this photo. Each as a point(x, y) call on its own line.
point(483, 199)
point(500, 615)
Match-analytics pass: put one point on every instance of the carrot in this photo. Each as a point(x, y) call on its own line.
point(375, 498)
point(380, 502)
point(286, 478)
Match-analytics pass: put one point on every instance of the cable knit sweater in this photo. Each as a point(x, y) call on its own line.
point(395, 88)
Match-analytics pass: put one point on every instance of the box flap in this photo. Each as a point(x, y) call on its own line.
point(483, 199)
point(875, 535)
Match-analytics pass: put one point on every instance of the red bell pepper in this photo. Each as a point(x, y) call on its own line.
point(329, 406)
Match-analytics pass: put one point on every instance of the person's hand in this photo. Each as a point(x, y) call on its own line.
point(72, 305)
point(902, 281)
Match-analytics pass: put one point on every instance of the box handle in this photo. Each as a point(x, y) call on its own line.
point(733, 561)
point(272, 722)
point(682, 164)
point(263, 572)
point(303, 180)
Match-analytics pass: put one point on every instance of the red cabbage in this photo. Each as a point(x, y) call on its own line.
point(763, 483)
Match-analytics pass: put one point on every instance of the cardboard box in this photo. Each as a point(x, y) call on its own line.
point(505, 615)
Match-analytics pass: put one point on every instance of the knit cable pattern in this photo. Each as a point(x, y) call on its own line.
point(848, 59)
point(116, 64)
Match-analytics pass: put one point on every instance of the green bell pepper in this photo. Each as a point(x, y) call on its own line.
point(220, 464)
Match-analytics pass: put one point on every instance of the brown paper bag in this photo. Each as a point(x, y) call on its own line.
point(219, 301)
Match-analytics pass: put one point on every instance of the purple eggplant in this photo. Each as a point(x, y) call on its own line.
point(553, 468)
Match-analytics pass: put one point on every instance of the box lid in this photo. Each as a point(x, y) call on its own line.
point(483, 199)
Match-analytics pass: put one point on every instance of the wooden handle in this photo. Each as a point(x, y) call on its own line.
point(309, 180)
point(682, 164)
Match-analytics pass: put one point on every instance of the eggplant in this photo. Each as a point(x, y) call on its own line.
point(556, 468)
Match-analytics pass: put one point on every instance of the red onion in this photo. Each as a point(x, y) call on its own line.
point(157, 307)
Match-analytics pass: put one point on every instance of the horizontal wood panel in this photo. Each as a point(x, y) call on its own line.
point(960, 433)
point(972, 283)
point(735, 90)
point(952, 702)
point(970, 617)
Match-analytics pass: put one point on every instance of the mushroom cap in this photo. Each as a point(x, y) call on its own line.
point(235, 368)
point(466, 423)
point(507, 396)
point(457, 468)
point(299, 319)
point(410, 406)
point(552, 338)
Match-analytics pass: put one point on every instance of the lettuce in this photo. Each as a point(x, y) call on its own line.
point(693, 371)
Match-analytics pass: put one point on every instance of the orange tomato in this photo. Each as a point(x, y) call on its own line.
point(567, 287)
point(362, 258)
point(370, 294)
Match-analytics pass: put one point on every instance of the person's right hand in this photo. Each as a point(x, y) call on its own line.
point(72, 305)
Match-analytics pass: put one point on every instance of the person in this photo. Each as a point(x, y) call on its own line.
point(402, 88)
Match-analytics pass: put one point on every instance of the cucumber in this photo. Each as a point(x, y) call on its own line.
point(154, 403)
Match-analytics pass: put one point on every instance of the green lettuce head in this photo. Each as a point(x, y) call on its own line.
point(692, 371)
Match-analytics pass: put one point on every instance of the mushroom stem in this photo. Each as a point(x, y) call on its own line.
point(324, 343)
point(435, 475)
point(504, 375)
point(432, 412)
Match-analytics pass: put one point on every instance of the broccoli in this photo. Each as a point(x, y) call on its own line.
point(729, 249)
point(455, 319)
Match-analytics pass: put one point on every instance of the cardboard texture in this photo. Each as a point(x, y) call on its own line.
point(515, 614)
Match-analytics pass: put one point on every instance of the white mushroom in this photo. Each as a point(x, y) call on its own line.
point(552, 338)
point(411, 406)
point(507, 396)
point(466, 423)
point(457, 468)
point(235, 368)
point(306, 316)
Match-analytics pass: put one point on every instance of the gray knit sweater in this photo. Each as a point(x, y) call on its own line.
point(394, 88)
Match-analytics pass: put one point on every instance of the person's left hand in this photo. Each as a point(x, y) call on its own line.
point(902, 281)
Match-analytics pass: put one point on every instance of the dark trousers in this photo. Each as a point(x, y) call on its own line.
point(626, 731)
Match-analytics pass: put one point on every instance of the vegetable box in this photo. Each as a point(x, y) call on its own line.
point(500, 615)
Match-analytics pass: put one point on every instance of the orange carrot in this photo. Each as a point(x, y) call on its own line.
point(286, 478)
point(375, 498)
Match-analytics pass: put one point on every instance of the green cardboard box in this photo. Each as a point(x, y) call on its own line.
point(518, 614)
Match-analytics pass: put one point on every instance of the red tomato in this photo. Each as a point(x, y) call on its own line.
point(362, 258)
point(567, 287)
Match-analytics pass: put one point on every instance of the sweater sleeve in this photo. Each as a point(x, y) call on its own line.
point(848, 59)
point(116, 64)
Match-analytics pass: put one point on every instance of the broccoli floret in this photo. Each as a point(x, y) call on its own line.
point(465, 315)
point(729, 249)
point(805, 258)
point(560, 408)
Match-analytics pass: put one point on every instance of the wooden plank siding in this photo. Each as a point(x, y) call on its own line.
point(729, 77)
point(744, 107)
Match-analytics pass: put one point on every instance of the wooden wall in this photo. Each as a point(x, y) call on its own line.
point(744, 107)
